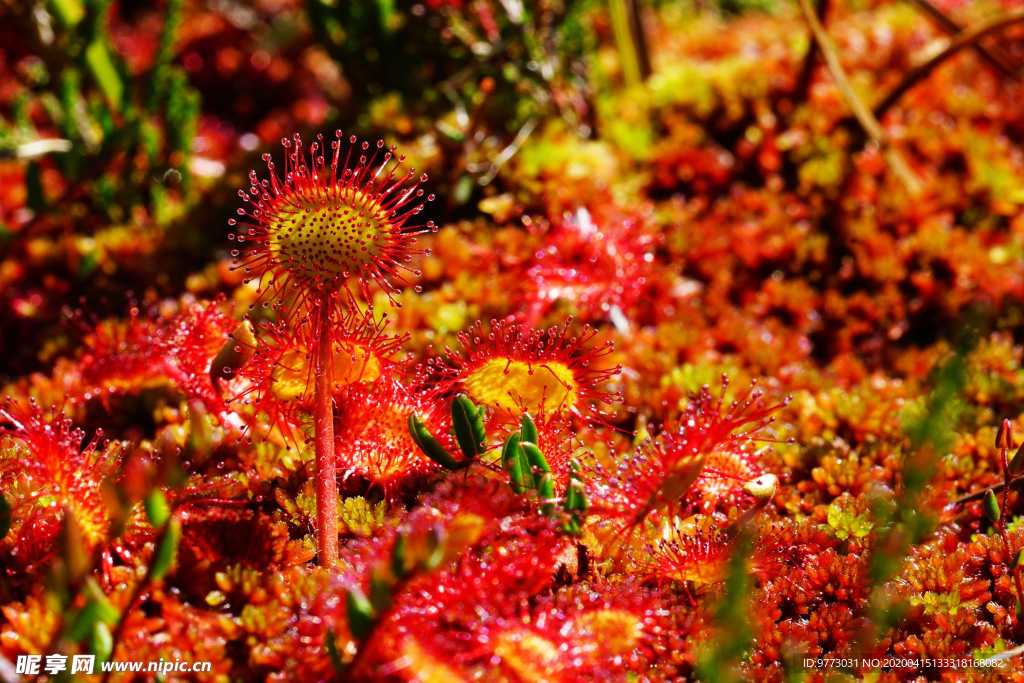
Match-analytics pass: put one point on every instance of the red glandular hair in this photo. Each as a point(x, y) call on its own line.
point(147, 351)
point(701, 554)
point(121, 356)
point(372, 434)
point(49, 472)
point(597, 264)
point(318, 226)
point(584, 633)
point(276, 383)
point(663, 472)
point(197, 335)
point(513, 370)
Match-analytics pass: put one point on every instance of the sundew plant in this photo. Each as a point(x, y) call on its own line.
point(515, 341)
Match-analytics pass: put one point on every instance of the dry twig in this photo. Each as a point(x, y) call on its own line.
point(993, 52)
point(863, 115)
point(966, 38)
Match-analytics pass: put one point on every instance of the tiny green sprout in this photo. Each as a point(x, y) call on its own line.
point(380, 590)
point(5, 516)
point(528, 431)
point(360, 613)
point(545, 483)
point(100, 641)
point(575, 502)
point(166, 549)
point(512, 463)
point(469, 427)
point(1017, 463)
point(991, 507)
point(398, 554)
point(1017, 559)
point(430, 446)
point(157, 510)
point(845, 524)
point(575, 497)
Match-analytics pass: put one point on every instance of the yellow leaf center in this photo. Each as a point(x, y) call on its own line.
point(333, 237)
point(514, 385)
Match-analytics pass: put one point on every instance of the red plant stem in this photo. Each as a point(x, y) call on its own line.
point(326, 464)
point(1002, 526)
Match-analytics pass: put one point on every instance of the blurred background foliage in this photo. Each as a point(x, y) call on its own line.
point(125, 128)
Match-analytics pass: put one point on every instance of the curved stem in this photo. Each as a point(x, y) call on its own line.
point(864, 117)
point(995, 54)
point(965, 38)
point(803, 87)
point(1003, 519)
point(323, 425)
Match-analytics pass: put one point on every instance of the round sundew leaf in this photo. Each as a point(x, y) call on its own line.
point(512, 385)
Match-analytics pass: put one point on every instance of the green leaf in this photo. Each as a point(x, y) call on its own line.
point(398, 554)
point(512, 463)
point(528, 431)
point(87, 266)
point(535, 457)
point(68, 12)
point(469, 427)
point(992, 507)
point(166, 550)
point(36, 198)
point(430, 446)
point(101, 65)
point(542, 474)
point(380, 591)
point(1017, 464)
point(95, 611)
point(101, 643)
point(360, 613)
point(332, 652)
point(157, 509)
point(575, 497)
point(1017, 559)
point(5, 516)
point(107, 613)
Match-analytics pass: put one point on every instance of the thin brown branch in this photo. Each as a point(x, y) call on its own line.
point(639, 35)
point(965, 38)
point(860, 111)
point(993, 52)
point(803, 86)
point(978, 495)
